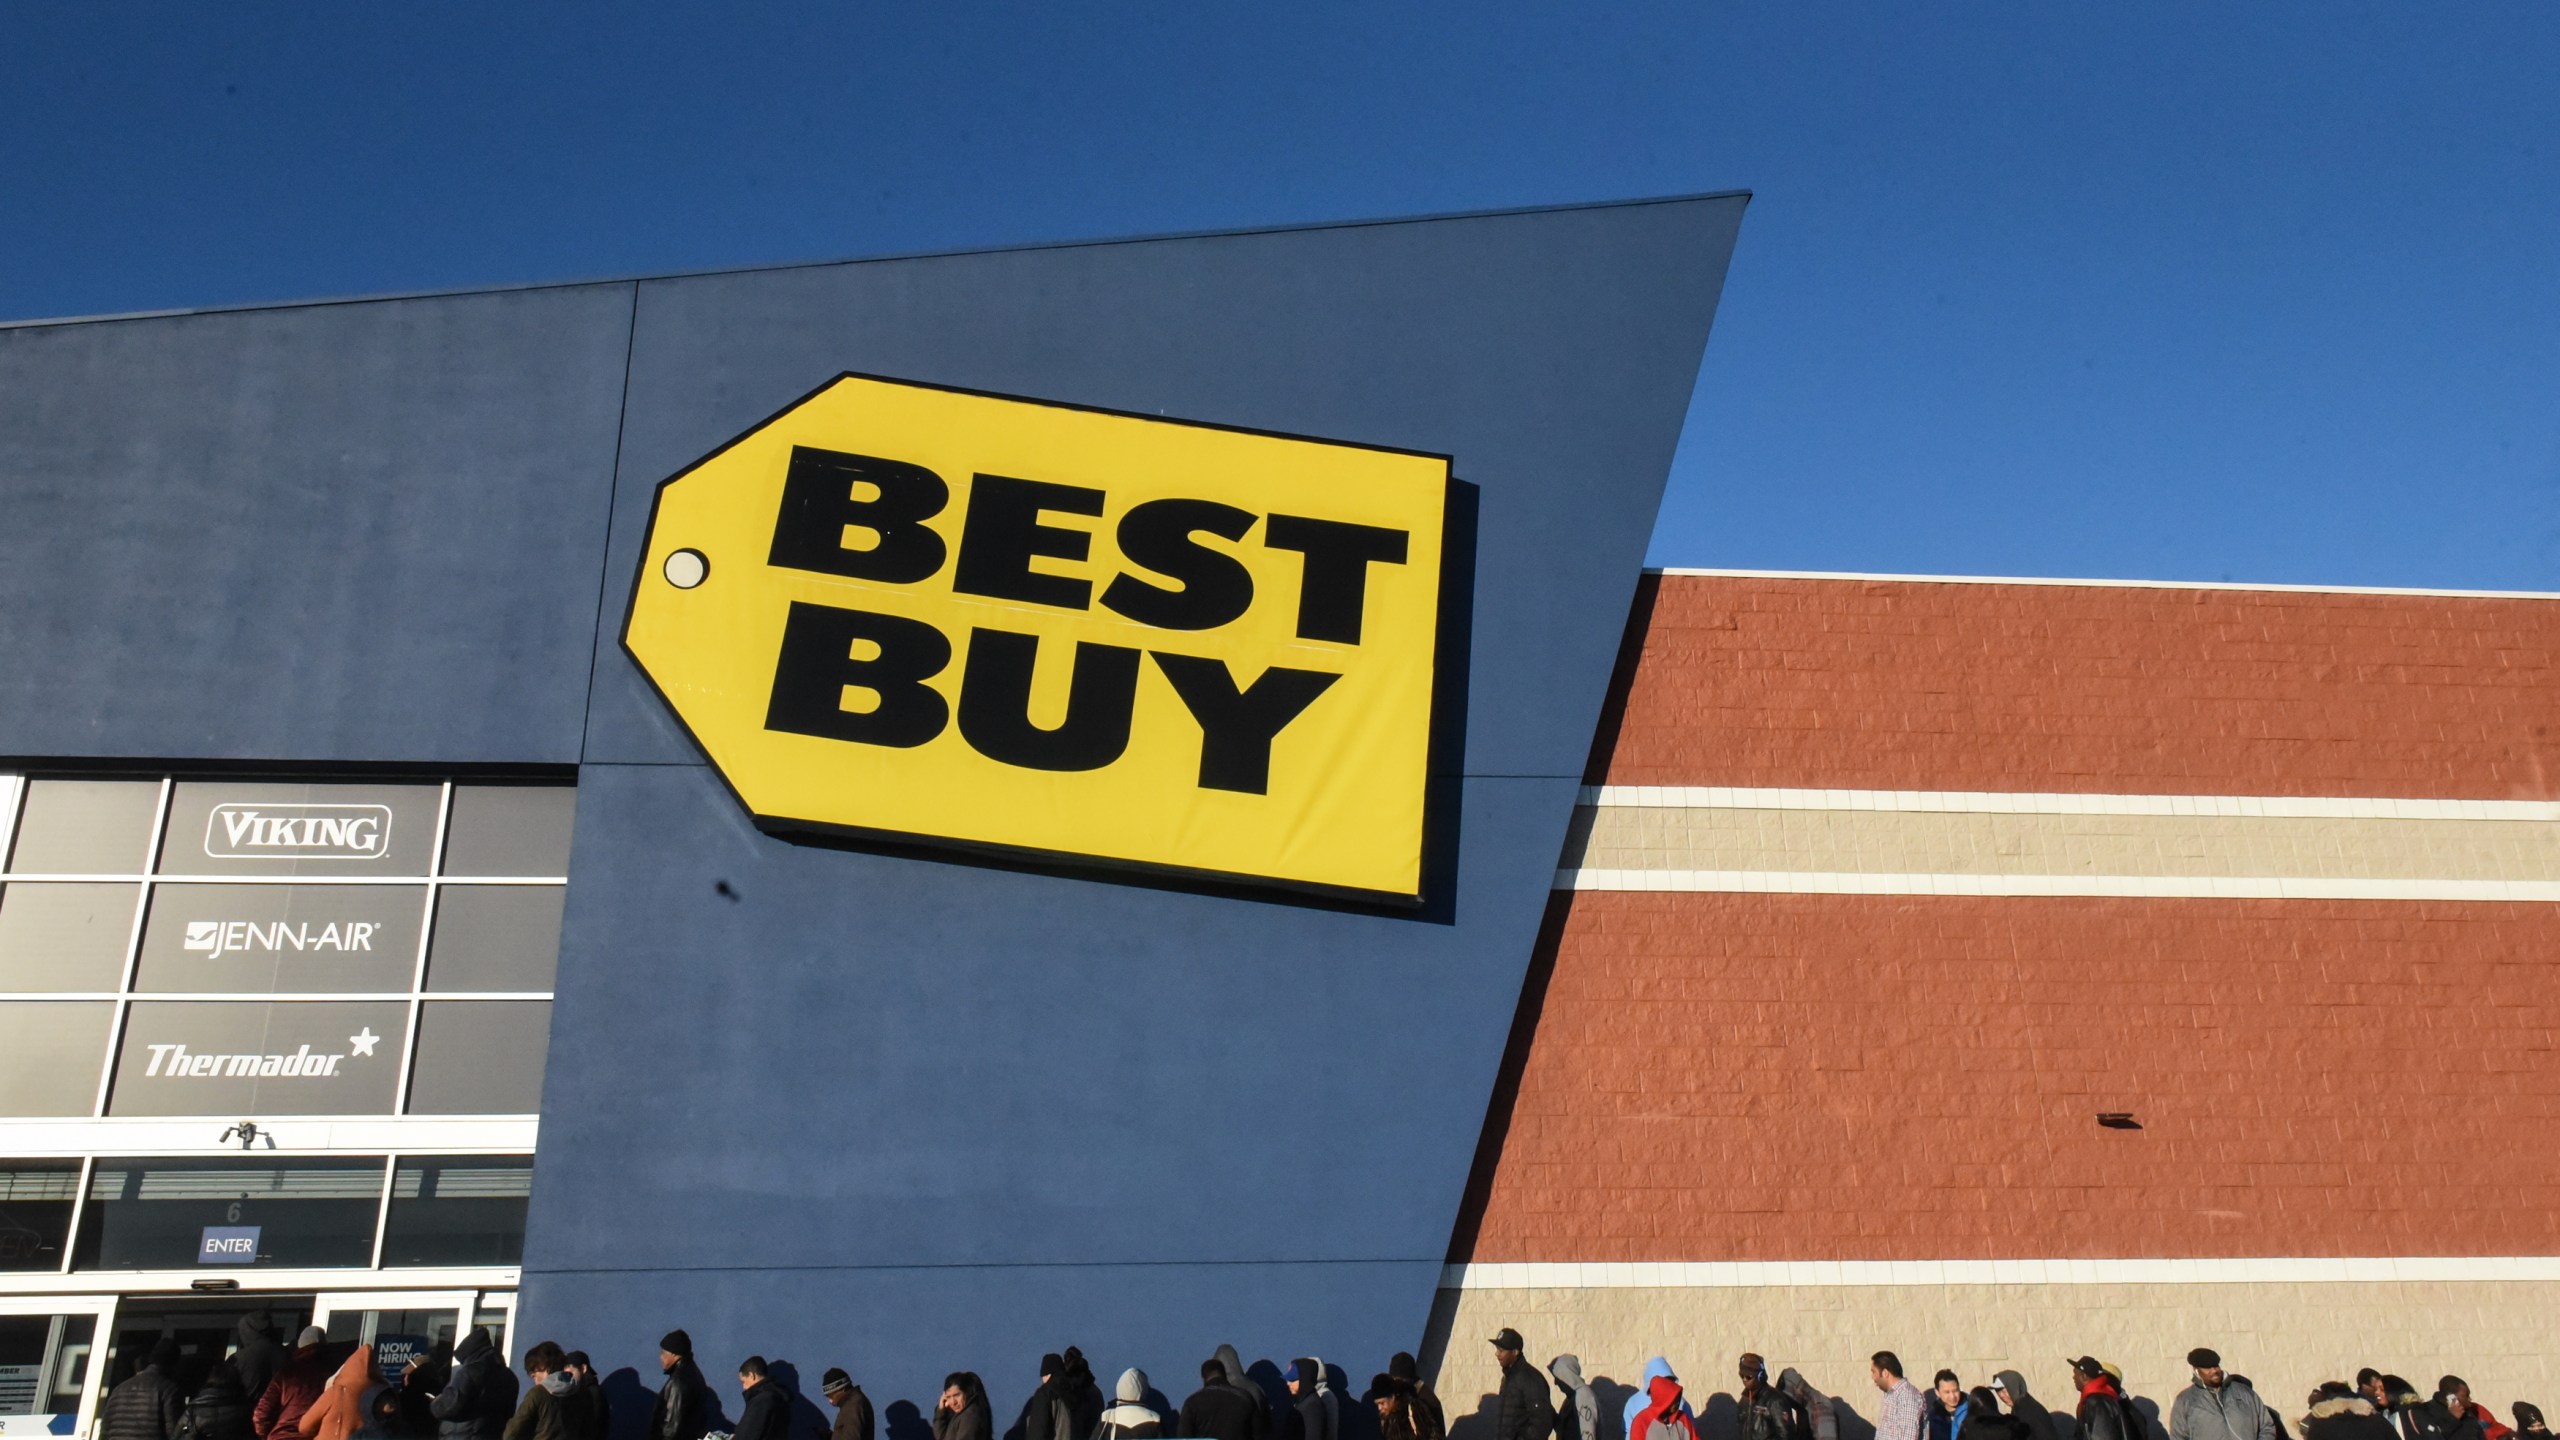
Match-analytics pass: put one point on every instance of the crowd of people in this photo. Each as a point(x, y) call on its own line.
point(313, 1391)
point(2215, 1405)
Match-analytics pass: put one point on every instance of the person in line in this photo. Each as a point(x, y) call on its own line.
point(481, 1397)
point(1394, 1401)
point(2102, 1412)
point(345, 1407)
point(683, 1411)
point(1821, 1417)
point(2529, 1421)
point(148, 1404)
point(962, 1412)
point(297, 1384)
point(1240, 1380)
point(1045, 1415)
point(1218, 1410)
point(1765, 1411)
point(2369, 1385)
point(1985, 1420)
point(766, 1413)
point(2339, 1412)
point(1656, 1368)
point(853, 1408)
point(258, 1355)
point(219, 1410)
point(542, 1415)
point(2399, 1405)
point(1664, 1411)
point(585, 1412)
point(1317, 1409)
point(421, 1380)
point(1948, 1406)
point(1578, 1414)
point(1084, 1398)
point(1524, 1412)
point(1130, 1416)
point(2218, 1406)
point(2010, 1389)
point(2455, 1393)
point(1902, 1415)
point(1430, 1422)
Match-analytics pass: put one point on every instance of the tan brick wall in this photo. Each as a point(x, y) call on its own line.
point(1942, 843)
point(2285, 1337)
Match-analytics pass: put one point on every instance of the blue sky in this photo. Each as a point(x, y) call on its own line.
point(2215, 292)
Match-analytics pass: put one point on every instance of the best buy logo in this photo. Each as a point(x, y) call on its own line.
point(903, 610)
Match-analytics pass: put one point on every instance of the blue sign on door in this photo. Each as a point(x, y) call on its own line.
point(228, 1245)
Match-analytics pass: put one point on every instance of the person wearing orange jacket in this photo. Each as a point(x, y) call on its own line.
point(344, 1404)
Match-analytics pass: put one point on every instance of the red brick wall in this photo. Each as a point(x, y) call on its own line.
point(1763, 1077)
point(1903, 685)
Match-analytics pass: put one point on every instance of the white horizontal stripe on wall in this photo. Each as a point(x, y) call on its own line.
point(2101, 584)
point(2189, 887)
point(1738, 1274)
point(1975, 802)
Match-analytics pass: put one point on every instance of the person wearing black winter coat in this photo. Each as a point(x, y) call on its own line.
point(1083, 1397)
point(2340, 1414)
point(481, 1397)
point(683, 1411)
point(1984, 1421)
point(1524, 1412)
point(258, 1355)
point(767, 1412)
point(1218, 1410)
point(219, 1410)
point(147, 1406)
point(963, 1413)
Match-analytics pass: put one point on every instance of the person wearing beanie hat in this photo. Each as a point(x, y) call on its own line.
point(853, 1408)
point(2218, 1406)
point(683, 1410)
point(481, 1397)
point(1045, 1416)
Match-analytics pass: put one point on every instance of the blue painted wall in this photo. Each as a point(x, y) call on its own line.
point(903, 1115)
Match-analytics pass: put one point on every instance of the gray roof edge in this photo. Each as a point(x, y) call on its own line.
point(251, 307)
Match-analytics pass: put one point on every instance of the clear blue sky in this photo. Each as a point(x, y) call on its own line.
point(2229, 291)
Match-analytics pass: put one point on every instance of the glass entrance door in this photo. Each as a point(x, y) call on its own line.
point(400, 1325)
point(48, 1383)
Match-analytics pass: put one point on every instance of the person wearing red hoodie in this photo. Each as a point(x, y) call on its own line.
point(1665, 1415)
point(295, 1389)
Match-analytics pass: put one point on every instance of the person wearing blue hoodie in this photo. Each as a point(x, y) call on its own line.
point(1653, 1368)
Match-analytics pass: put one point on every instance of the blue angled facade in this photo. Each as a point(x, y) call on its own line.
point(823, 1103)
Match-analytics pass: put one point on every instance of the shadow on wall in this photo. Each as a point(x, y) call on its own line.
point(629, 1404)
point(903, 1421)
point(806, 1417)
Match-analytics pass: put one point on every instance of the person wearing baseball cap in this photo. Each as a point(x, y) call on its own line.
point(2103, 1414)
point(1525, 1413)
point(853, 1408)
point(2218, 1406)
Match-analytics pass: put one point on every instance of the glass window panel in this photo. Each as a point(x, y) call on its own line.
point(43, 1361)
point(226, 1059)
point(49, 1054)
point(496, 937)
point(230, 828)
point(458, 1210)
point(510, 830)
point(154, 1214)
point(35, 1212)
point(64, 937)
point(281, 938)
point(480, 1057)
point(85, 827)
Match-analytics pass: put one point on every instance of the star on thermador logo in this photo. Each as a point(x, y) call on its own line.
point(364, 1041)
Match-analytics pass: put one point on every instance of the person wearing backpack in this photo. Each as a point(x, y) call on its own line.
point(219, 1410)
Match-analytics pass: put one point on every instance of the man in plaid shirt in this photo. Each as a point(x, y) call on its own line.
point(1899, 1417)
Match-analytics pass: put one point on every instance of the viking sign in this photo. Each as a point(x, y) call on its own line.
point(902, 611)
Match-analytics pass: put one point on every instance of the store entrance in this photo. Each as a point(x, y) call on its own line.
point(206, 1330)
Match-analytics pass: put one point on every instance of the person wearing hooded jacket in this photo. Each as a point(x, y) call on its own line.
point(1821, 1416)
point(297, 1383)
point(543, 1413)
point(147, 1405)
point(1578, 1417)
point(1985, 1420)
point(1430, 1422)
point(1084, 1398)
point(1656, 1368)
point(1662, 1412)
point(2010, 1389)
point(963, 1412)
point(2339, 1413)
point(1046, 1416)
point(1130, 1416)
point(258, 1355)
point(345, 1405)
point(481, 1397)
point(1317, 1409)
